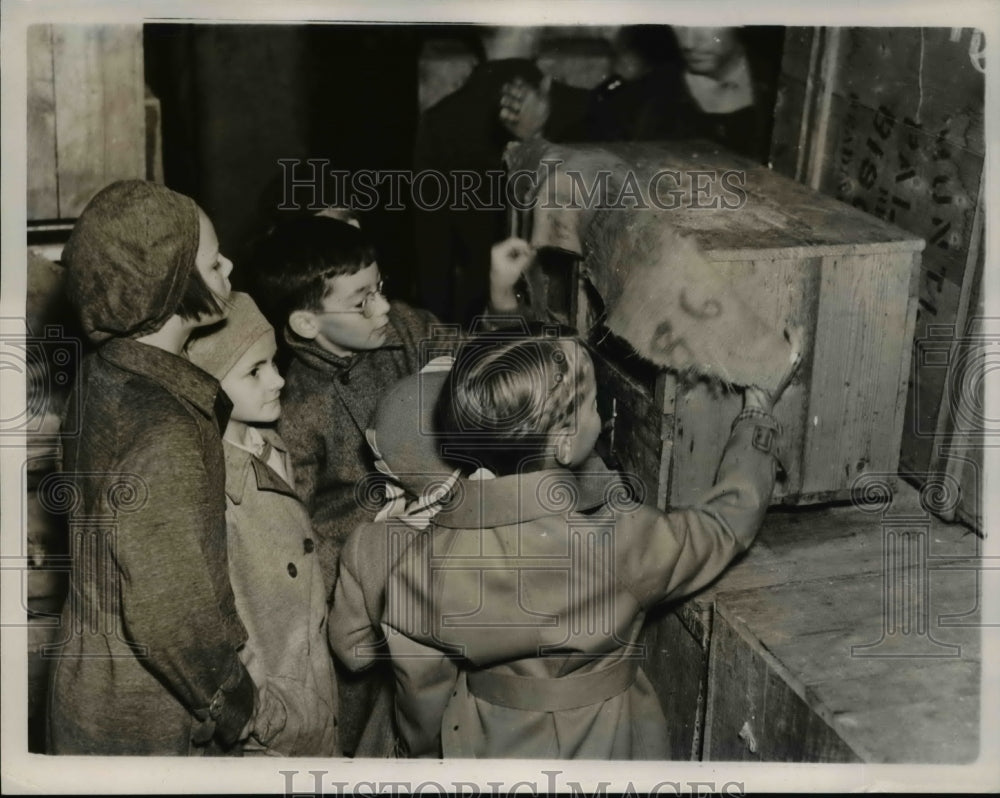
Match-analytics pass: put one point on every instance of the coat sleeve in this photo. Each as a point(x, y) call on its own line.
point(305, 446)
point(669, 555)
point(168, 599)
point(353, 626)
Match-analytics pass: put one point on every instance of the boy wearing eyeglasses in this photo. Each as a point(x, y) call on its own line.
point(317, 280)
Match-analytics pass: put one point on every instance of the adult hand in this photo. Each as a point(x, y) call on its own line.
point(524, 109)
point(763, 400)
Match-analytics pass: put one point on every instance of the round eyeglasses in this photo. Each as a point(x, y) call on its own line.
point(367, 306)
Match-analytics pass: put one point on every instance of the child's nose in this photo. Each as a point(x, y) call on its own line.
point(227, 265)
point(380, 306)
point(277, 381)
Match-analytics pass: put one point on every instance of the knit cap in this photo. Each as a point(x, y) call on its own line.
point(216, 349)
point(402, 433)
point(129, 258)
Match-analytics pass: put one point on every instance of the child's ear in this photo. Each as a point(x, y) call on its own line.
point(304, 324)
point(564, 448)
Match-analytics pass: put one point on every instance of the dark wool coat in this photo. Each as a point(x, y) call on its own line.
point(148, 663)
point(513, 620)
point(327, 404)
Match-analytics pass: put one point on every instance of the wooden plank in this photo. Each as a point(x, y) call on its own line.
point(796, 55)
point(636, 446)
point(736, 683)
point(963, 415)
point(812, 634)
point(677, 666)
point(154, 138)
point(704, 414)
point(859, 345)
point(906, 362)
point(925, 74)
point(100, 117)
point(43, 195)
point(824, 543)
point(787, 143)
point(777, 213)
point(792, 732)
point(935, 328)
point(911, 176)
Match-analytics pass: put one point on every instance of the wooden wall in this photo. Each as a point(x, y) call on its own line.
point(86, 114)
point(891, 120)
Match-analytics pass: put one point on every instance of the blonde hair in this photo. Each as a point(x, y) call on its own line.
point(504, 399)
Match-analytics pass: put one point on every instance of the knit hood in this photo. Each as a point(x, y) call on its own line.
point(129, 257)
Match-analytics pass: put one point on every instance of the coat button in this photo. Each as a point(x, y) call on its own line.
point(308, 545)
point(292, 570)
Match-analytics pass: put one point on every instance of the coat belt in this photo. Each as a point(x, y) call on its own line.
point(552, 694)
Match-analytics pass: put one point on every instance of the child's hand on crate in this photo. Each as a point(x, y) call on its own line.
point(763, 400)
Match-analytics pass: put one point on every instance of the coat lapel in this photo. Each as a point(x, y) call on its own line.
point(239, 463)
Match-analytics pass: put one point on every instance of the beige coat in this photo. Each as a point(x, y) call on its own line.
point(281, 598)
point(513, 620)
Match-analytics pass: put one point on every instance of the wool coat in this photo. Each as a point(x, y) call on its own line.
point(513, 619)
point(281, 598)
point(327, 404)
point(148, 660)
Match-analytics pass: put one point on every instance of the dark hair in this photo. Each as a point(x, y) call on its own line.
point(294, 261)
point(505, 397)
point(198, 299)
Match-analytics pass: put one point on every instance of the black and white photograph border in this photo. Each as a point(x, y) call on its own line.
point(841, 165)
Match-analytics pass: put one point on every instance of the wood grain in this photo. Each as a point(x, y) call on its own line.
point(43, 196)
point(100, 118)
point(754, 714)
point(920, 705)
point(677, 666)
point(854, 408)
point(783, 621)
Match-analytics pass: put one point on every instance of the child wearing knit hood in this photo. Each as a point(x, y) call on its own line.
point(148, 664)
point(273, 564)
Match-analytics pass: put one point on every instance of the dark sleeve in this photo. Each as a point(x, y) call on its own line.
point(569, 108)
point(168, 599)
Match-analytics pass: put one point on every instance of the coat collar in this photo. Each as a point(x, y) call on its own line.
point(174, 373)
point(240, 462)
point(529, 496)
point(316, 357)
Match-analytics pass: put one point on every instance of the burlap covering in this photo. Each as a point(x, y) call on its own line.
point(661, 293)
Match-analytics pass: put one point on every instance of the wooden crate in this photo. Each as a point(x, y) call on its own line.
point(791, 655)
point(892, 120)
point(846, 277)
